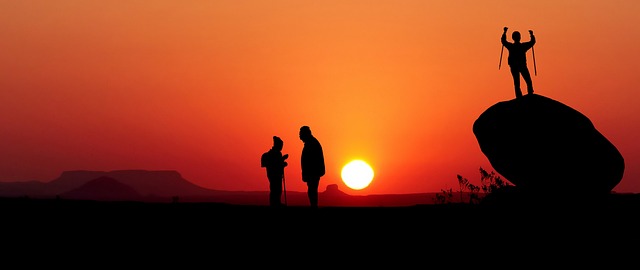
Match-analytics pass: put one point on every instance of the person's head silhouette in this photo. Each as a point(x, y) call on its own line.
point(277, 143)
point(305, 133)
point(516, 36)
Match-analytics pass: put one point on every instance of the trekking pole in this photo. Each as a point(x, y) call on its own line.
point(535, 70)
point(285, 190)
point(501, 50)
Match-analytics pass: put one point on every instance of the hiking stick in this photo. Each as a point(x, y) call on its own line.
point(501, 50)
point(533, 51)
point(285, 190)
point(535, 69)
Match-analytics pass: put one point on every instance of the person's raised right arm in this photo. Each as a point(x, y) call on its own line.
point(503, 39)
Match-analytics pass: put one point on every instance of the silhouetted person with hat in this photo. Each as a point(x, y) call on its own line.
point(517, 59)
point(312, 161)
point(274, 162)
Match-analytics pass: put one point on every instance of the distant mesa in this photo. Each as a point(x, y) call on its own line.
point(103, 188)
point(151, 185)
point(166, 183)
point(543, 146)
point(333, 190)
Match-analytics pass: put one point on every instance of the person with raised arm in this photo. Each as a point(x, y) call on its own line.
point(517, 59)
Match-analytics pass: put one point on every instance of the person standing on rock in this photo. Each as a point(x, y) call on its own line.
point(312, 161)
point(517, 59)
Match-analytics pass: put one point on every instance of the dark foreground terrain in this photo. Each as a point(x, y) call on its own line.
point(222, 231)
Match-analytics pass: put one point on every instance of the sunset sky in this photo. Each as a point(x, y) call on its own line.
point(201, 87)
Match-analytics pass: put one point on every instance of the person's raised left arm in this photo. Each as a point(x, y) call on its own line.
point(533, 38)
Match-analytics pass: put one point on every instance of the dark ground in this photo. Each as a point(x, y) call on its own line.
point(223, 232)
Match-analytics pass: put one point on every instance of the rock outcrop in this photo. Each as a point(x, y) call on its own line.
point(543, 146)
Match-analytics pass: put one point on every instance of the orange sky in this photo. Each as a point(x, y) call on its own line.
point(201, 86)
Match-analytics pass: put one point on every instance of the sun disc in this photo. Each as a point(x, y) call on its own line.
point(357, 174)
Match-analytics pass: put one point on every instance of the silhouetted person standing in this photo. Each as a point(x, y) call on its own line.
point(312, 161)
point(518, 59)
point(274, 162)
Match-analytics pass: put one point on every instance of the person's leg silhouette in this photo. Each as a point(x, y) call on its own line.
point(527, 79)
point(515, 73)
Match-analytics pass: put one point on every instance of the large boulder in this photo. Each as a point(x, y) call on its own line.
point(543, 146)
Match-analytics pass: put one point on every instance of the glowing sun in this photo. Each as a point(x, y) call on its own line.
point(357, 174)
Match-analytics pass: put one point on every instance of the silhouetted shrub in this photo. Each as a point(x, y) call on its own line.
point(443, 197)
point(489, 182)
